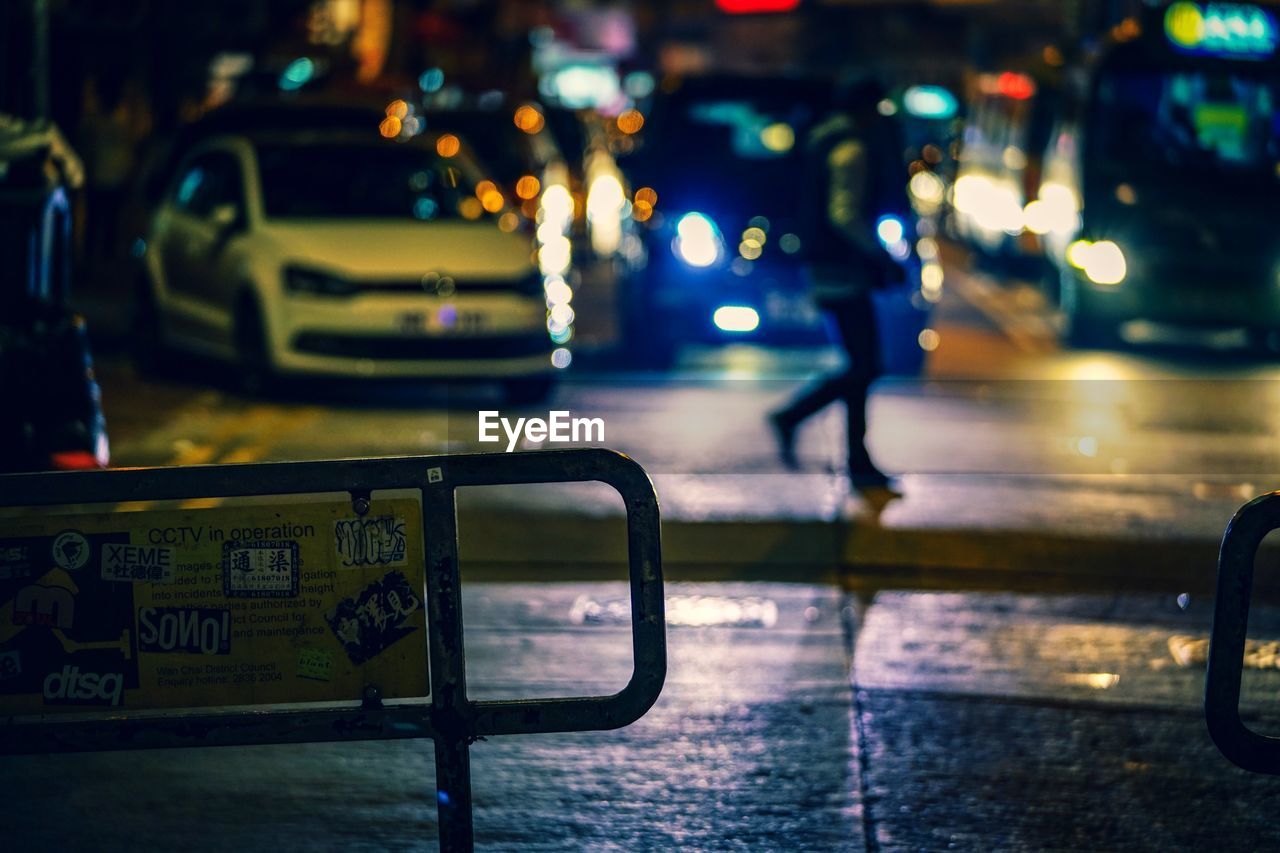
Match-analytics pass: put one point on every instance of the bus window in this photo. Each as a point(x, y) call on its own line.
point(1194, 119)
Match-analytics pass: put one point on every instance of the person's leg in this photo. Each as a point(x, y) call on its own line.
point(818, 396)
point(861, 339)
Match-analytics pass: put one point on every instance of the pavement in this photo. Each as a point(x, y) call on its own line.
point(794, 718)
point(818, 700)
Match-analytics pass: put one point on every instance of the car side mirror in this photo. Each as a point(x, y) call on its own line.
point(224, 217)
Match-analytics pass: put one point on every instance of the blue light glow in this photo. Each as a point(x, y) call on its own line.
point(890, 230)
point(431, 80)
point(929, 102)
point(698, 241)
point(297, 74)
point(425, 208)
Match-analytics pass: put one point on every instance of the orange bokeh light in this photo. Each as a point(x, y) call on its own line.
point(630, 121)
point(529, 119)
point(528, 187)
point(448, 145)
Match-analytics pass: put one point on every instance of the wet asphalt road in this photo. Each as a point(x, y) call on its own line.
point(749, 746)
point(1002, 722)
point(1163, 437)
point(978, 722)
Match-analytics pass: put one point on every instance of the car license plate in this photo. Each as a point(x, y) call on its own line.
point(464, 322)
point(445, 321)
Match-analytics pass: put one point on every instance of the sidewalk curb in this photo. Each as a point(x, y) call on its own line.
point(506, 544)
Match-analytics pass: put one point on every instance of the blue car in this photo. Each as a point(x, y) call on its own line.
point(721, 168)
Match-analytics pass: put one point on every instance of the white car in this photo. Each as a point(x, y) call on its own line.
point(345, 255)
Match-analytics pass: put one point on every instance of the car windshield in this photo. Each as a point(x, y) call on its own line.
point(498, 144)
point(744, 148)
point(1195, 120)
point(361, 182)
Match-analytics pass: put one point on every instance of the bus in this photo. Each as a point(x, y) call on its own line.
point(1162, 177)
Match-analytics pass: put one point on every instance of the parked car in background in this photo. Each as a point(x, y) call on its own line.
point(347, 252)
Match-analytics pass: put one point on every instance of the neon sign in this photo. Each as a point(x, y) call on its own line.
point(755, 7)
point(1231, 30)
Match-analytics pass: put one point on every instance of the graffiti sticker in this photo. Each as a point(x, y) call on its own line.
point(370, 541)
point(376, 618)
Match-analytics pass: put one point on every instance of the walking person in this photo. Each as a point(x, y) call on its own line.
point(854, 174)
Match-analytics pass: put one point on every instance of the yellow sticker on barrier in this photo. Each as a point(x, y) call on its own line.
point(204, 608)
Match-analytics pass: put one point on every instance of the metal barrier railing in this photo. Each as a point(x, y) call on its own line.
point(1243, 746)
point(369, 684)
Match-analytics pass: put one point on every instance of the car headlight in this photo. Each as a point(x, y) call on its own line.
point(555, 207)
point(555, 256)
point(1102, 262)
point(698, 242)
point(892, 232)
point(605, 202)
point(316, 283)
point(736, 318)
point(1056, 210)
point(993, 205)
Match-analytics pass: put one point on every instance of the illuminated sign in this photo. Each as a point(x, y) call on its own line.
point(756, 7)
point(582, 86)
point(1232, 30)
point(929, 102)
